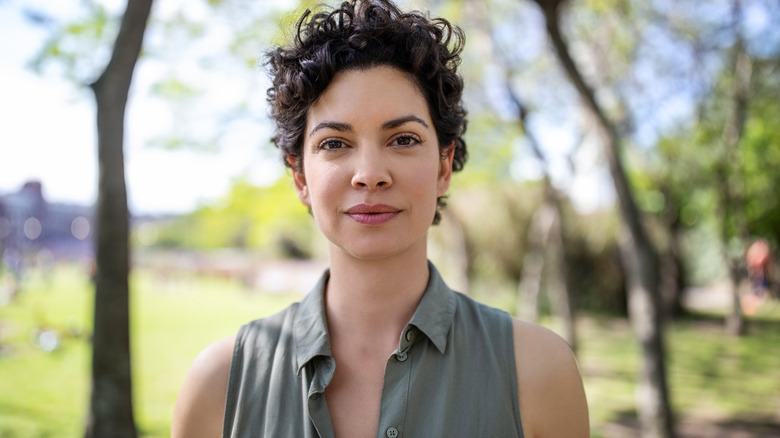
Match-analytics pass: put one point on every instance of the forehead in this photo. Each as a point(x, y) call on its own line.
point(369, 95)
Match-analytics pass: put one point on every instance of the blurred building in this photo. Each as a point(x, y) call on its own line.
point(31, 227)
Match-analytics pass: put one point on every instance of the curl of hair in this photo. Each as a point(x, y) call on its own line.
point(359, 35)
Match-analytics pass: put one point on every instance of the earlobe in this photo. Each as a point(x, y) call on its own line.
point(299, 180)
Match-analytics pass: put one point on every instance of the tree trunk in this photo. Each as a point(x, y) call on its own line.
point(557, 279)
point(639, 254)
point(533, 262)
point(111, 407)
point(672, 267)
point(729, 204)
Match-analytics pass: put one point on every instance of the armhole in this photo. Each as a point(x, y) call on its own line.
point(234, 378)
point(515, 391)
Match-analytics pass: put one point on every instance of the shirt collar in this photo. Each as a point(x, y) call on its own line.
point(433, 317)
point(436, 311)
point(310, 329)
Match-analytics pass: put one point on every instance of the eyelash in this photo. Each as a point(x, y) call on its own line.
point(323, 144)
point(413, 140)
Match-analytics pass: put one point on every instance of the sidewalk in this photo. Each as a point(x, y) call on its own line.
point(714, 298)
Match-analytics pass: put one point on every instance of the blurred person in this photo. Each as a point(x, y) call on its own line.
point(367, 102)
point(759, 265)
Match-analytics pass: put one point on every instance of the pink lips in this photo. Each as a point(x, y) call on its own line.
point(377, 214)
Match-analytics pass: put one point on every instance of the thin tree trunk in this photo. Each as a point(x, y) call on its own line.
point(731, 220)
point(556, 279)
point(111, 407)
point(533, 262)
point(544, 259)
point(672, 267)
point(639, 254)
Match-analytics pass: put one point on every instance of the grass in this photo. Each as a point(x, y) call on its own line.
point(713, 378)
point(46, 394)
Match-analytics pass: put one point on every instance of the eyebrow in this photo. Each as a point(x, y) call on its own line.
point(391, 124)
point(401, 120)
point(338, 126)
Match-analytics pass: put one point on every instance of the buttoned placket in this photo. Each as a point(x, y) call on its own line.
point(323, 370)
point(395, 391)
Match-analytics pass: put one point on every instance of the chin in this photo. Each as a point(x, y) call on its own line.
point(379, 249)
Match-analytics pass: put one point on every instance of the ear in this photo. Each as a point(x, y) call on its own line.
point(445, 169)
point(299, 180)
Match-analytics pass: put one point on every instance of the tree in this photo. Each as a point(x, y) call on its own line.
point(716, 170)
point(733, 131)
point(111, 404)
point(732, 220)
point(639, 254)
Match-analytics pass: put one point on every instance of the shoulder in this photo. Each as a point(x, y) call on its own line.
point(469, 308)
point(199, 410)
point(551, 394)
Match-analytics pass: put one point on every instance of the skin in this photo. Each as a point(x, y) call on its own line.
point(370, 141)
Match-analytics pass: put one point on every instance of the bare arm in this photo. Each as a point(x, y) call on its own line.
point(552, 398)
point(200, 407)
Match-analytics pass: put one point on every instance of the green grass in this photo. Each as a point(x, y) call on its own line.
point(713, 378)
point(47, 394)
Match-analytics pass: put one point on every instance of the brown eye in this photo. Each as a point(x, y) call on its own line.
point(405, 140)
point(330, 145)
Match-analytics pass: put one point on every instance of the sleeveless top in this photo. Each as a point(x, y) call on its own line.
point(452, 375)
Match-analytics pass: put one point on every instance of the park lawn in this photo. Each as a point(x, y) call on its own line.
point(47, 394)
point(712, 377)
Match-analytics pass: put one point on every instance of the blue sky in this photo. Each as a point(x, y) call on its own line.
point(48, 130)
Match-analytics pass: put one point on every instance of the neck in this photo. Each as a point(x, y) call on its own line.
point(375, 298)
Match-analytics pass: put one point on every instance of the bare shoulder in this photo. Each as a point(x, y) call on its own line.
point(199, 410)
point(552, 398)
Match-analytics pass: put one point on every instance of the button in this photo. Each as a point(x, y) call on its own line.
point(401, 357)
point(410, 335)
point(392, 433)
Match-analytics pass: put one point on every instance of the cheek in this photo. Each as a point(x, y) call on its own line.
point(425, 180)
point(323, 188)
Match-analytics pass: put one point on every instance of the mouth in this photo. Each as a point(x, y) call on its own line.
point(377, 214)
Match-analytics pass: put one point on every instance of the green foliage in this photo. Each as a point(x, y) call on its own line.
point(751, 169)
point(594, 269)
point(174, 89)
point(267, 219)
point(287, 20)
point(495, 219)
point(492, 146)
point(80, 48)
point(179, 141)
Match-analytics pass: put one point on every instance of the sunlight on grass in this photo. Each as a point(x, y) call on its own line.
point(46, 394)
point(173, 319)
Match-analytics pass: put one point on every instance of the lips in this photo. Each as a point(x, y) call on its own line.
point(377, 214)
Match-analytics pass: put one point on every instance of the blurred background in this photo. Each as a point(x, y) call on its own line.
point(609, 141)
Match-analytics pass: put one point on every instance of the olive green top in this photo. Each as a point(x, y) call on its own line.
point(453, 374)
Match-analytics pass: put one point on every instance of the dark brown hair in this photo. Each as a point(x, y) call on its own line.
point(358, 35)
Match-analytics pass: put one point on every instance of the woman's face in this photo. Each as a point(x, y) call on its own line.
point(372, 169)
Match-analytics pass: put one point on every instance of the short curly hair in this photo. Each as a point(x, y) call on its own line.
point(359, 35)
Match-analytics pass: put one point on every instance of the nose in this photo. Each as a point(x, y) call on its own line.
point(371, 170)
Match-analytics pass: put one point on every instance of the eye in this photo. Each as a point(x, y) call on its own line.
point(405, 140)
point(331, 144)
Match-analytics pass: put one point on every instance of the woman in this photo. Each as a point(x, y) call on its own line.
point(369, 118)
